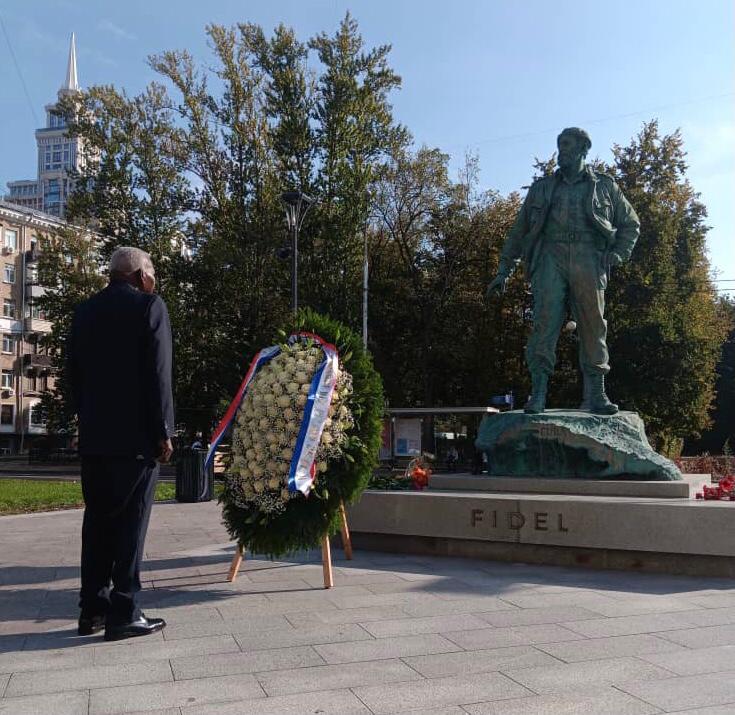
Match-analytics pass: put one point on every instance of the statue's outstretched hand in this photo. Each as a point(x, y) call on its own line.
point(497, 285)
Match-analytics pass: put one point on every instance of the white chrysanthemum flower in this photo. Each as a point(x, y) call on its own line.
point(268, 425)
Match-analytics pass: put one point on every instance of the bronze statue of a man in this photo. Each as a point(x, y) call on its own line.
point(572, 228)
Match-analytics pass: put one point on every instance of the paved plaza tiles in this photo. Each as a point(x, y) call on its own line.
point(397, 633)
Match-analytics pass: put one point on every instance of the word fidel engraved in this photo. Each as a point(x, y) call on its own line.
point(479, 518)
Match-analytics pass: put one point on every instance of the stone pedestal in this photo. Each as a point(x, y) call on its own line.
point(570, 444)
point(669, 535)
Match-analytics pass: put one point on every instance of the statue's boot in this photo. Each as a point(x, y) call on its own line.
point(595, 399)
point(537, 400)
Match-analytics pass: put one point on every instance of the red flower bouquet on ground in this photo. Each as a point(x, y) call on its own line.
point(723, 490)
point(418, 471)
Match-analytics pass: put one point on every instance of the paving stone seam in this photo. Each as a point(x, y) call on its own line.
point(538, 647)
point(367, 707)
point(663, 667)
point(635, 697)
point(266, 673)
point(274, 670)
point(662, 634)
point(408, 665)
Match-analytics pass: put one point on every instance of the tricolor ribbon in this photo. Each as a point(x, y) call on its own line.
point(302, 470)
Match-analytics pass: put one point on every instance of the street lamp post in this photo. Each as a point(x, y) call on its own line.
point(296, 204)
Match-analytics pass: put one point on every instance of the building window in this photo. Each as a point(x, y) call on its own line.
point(7, 414)
point(37, 416)
point(9, 273)
point(11, 239)
point(8, 308)
point(52, 199)
point(7, 380)
point(8, 344)
point(33, 311)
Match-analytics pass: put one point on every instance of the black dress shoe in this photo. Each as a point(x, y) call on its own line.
point(139, 627)
point(90, 624)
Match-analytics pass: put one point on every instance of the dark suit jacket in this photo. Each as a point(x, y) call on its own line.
point(119, 361)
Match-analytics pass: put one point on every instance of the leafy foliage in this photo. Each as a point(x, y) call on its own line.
point(193, 172)
point(666, 332)
point(69, 268)
point(305, 522)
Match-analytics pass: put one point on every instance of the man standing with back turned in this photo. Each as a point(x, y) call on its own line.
point(119, 356)
point(573, 227)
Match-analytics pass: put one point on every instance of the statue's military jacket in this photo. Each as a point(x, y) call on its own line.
point(609, 214)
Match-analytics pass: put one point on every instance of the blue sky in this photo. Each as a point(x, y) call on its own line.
point(495, 77)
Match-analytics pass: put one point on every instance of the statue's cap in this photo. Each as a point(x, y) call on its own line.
point(579, 134)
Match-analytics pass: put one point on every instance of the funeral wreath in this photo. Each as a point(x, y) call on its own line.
point(305, 433)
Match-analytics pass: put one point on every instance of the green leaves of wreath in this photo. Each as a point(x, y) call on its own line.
point(304, 522)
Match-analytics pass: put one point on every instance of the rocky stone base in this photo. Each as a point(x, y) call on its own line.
point(571, 444)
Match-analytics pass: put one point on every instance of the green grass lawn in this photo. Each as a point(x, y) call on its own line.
point(19, 496)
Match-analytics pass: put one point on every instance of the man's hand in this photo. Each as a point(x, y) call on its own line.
point(497, 285)
point(165, 450)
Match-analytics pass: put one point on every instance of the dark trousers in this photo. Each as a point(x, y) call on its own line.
point(118, 495)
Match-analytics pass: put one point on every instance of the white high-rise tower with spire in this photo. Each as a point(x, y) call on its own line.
point(57, 154)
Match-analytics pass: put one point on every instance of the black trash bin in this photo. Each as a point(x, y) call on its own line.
point(194, 483)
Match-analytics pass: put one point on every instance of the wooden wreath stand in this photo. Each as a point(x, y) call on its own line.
point(326, 552)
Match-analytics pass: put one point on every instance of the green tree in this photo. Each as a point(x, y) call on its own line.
point(666, 332)
point(355, 133)
point(131, 189)
point(720, 436)
point(70, 269)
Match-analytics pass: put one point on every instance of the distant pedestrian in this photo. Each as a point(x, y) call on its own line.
point(119, 360)
point(452, 458)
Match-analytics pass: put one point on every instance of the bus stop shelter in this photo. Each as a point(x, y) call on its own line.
point(411, 431)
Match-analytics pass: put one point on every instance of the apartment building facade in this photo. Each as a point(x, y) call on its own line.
point(26, 367)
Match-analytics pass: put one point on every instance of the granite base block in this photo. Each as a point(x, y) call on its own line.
point(669, 535)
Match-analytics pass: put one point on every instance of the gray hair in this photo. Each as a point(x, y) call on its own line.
point(127, 259)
